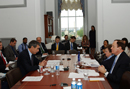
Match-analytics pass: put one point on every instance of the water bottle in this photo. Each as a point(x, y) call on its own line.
point(73, 84)
point(79, 84)
point(78, 56)
point(57, 69)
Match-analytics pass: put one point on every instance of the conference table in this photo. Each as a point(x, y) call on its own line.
point(48, 80)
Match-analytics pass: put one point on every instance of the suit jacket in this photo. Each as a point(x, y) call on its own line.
point(9, 54)
point(67, 46)
point(44, 47)
point(61, 46)
point(120, 67)
point(108, 63)
point(2, 66)
point(24, 62)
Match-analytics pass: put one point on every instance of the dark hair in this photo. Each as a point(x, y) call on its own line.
point(33, 43)
point(0, 42)
point(120, 44)
point(93, 26)
point(24, 38)
point(125, 39)
point(57, 37)
point(12, 40)
point(72, 37)
point(106, 41)
point(128, 45)
point(65, 36)
point(109, 47)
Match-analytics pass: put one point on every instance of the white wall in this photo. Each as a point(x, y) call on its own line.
point(23, 21)
point(113, 21)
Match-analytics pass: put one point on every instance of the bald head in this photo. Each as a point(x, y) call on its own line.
point(39, 39)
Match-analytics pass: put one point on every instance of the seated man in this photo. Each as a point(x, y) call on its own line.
point(27, 61)
point(119, 66)
point(43, 49)
point(57, 45)
point(66, 39)
point(71, 45)
point(110, 58)
point(10, 51)
point(3, 62)
point(23, 46)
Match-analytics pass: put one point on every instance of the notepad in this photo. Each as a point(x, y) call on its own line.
point(73, 54)
point(96, 79)
point(32, 78)
point(69, 87)
point(58, 54)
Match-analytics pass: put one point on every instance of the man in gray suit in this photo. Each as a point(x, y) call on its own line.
point(10, 51)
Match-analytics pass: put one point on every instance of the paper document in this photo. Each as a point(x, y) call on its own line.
point(7, 68)
point(44, 55)
point(69, 87)
point(88, 71)
point(73, 54)
point(75, 75)
point(32, 78)
point(10, 62)
point(2, 75)
point(58, 54)
point(96, 79)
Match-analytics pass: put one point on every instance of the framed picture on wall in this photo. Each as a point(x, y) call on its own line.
point(120, 1)
point(12, 3)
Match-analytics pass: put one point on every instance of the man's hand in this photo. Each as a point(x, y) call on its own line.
point(43, 63)
point(7, 65)
point(102, 69)
point(16, 58)
point(45, 54)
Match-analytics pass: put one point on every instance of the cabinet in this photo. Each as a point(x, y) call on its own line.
point(48, 20)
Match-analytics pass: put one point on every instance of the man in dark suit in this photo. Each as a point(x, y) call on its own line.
point(71, 45)
point(27, 61)
point(57, 45)
point(66, 39)
point(43, 49)
point(10, 51)
point(119, 66)
point(3, 62)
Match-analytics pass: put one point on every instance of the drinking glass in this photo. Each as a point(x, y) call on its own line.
point(85, 75)
point(46, 69)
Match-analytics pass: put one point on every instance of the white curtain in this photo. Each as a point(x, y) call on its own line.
point(71, 4)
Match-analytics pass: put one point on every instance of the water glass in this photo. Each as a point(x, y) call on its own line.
point(53, 52)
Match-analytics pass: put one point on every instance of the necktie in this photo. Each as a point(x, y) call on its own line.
point(71, 47)
point(32, 60)
point(3, 59)
point(113, 65)
point(42, 51)
point(57, 47)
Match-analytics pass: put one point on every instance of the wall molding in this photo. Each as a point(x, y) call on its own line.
point(8, 5)
point(120, 1)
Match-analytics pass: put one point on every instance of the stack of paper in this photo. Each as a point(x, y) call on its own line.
point(96, 79)
point(75, 75)
point(58, 54)
point(88, 71)
point(52, 62)
point(69, 87)
point(32, 78)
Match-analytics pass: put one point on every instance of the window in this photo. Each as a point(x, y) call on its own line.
point(72, 23)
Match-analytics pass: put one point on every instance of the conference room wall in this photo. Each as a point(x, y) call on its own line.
point(112, 21)
point(22, 22)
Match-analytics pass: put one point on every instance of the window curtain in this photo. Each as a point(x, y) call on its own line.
point(82, 6)
point(70, 4)
point(59, 7)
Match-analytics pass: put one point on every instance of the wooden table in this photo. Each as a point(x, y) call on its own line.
point(47, 80)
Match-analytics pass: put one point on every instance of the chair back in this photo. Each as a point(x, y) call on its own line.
point(73, 52)
point(12, 66)
point(60, 52)
point(13, 76)
point(125, 81)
